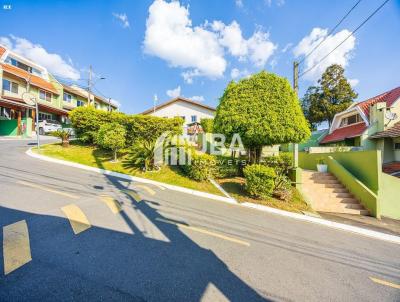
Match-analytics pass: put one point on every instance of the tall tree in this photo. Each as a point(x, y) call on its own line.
point(333, 95)
point(264, 110)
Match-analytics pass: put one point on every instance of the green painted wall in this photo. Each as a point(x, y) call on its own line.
point(367, 198)
point(389, 196)
point(364, 165)
point(9, 127)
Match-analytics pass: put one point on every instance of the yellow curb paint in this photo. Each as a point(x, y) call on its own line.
point(43, 188)
point(203, 231)
point(146, 188)
point(133, 194)
point(76, 217)
point(16, 247)
point(113, 204)
point(386, 283)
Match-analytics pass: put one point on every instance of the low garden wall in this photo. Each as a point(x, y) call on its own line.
point(361, 172)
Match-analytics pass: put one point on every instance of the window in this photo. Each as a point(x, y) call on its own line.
point(23, 66)
point(80, 103)
point(44, 95)
point(44, 116)
point(96, 105)
point(396, 146)
point(353, 119)
point(194, 118)
point(67, 97)
point(10, 86)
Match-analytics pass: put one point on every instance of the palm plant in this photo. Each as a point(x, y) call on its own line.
point(142, 154)
point(64, 135)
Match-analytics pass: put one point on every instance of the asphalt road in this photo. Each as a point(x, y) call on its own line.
point(70, 234)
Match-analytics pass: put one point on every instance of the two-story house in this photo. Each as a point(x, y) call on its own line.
point(23, 82)
point(370, 124)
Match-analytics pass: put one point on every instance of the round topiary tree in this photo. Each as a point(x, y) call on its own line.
point(111, 136)
point(264, 110)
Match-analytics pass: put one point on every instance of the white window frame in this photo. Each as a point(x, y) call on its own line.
point(80, 102)
point(69, 97)
point(193, 118)
point(12, 84)
point(46, 93)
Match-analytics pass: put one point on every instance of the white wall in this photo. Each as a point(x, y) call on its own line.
point(181, 108)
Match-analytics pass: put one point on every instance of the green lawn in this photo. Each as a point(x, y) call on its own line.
point(235, 187)
point(94, 157)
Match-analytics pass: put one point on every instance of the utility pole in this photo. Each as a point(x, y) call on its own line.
point(28, 87)
point(109, 104)
point(89, 84)
point(294, 145)
point(155, 103)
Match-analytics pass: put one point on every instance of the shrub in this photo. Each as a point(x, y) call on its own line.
point(207, 124)
point(281, 165)
point(201, 167)
point(259, 180)
point(111, 136)
point(64, 135)
point(142, 155)
point(87, 121)
point(149, 128)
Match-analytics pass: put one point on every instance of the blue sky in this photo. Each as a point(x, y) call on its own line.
point(194, 48)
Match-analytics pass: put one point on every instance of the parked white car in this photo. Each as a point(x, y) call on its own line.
point(48, 126)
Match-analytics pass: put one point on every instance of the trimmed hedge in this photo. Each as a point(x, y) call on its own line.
point(259, 180)
point(87, 121)
point(201, 168)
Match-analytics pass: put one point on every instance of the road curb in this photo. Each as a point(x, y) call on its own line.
point(129, 177)
point(315, 220)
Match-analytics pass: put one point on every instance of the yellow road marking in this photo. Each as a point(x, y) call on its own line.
point(113, 204)
point(133, 194)
point(146, 188)
point(29, 184)
point(16, 247)
point(228, 238)
point(76, 217)
point(386, 283)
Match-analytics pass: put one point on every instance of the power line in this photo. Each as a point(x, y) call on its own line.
point(330, 32)
point(352, 33)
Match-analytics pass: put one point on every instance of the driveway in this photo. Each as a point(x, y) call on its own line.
point(70, 234)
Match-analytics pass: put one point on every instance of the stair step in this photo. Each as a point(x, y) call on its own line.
point(351, 211)
point(342, 194)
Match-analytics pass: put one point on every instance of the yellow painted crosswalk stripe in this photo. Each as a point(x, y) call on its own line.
point(16, 247)
point(386, 283)
point(200, 230)
point(47, 189)
point(77, 218)
point(133, 194)
point(113, 204)
point(146, 188)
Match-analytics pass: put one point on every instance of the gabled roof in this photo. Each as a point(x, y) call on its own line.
point(34, 80)
point(178, 99)
point(389, 97)
point(74, 91)
point(341, 134)
point(391, 132)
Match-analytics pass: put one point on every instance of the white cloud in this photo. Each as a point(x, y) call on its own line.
point(199, 50)
point(354, 82)
point(170, 36)
point(197, 98)
point(236, 73)
point(239, 3)
point(287, 47)
point(258, 48)
point(278, 2)
point(341, 55)
point(173, 93)
point(54, 63)
point(123, 19)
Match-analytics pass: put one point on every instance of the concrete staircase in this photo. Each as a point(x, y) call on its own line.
point(326, 194)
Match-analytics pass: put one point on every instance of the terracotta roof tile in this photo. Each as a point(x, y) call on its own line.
point(341, 134)
point(2, 51)
point(389, 97)
point(393, 131)
point(35, 80)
